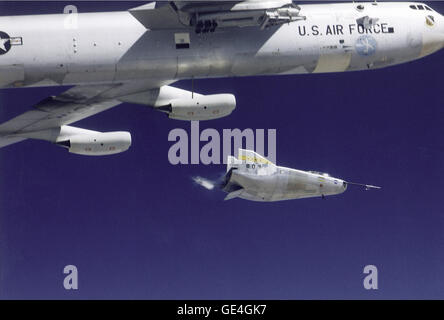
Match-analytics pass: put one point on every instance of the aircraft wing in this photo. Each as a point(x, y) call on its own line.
point(207, 16)
point(50, 115)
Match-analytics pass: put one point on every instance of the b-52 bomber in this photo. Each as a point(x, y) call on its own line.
point(135, 56)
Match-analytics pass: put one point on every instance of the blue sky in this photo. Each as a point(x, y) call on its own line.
point(137, 227)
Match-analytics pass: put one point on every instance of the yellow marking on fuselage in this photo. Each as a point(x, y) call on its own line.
point(254, 159)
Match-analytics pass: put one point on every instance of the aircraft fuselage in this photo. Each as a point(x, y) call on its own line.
point(114, 47)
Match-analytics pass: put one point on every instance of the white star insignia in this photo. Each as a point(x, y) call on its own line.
point(2, 44)
point(366, 46)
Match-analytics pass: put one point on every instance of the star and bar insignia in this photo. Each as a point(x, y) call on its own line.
point(6, 42)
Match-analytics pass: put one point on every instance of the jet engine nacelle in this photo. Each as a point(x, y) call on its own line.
point(200, 107)
point(97, 143)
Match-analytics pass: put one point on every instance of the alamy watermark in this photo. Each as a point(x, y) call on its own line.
point(187, 148)
point(71, 281)
point(371, 280)
point(71, 20)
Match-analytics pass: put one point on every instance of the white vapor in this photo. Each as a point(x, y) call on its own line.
point(207, 184)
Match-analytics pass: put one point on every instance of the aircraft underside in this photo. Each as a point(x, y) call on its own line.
point(134, 56)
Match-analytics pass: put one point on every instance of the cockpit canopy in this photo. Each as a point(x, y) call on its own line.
point(320, 173)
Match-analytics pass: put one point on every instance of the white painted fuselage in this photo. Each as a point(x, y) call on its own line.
point(253, 177)
point(114, 47)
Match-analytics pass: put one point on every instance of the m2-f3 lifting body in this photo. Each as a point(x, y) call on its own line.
point(251, 176)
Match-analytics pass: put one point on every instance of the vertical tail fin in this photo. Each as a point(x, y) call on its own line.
point(248, 156)
point(232, 162)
